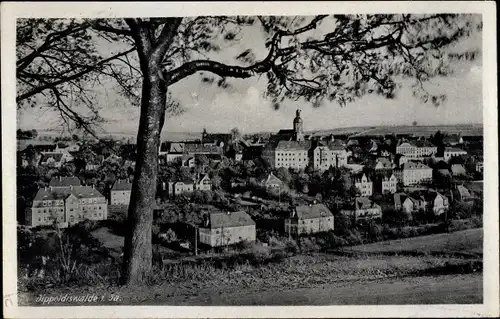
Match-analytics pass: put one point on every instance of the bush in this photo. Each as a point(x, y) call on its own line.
point(260, 253)
point(308, 245)
point(291, 246)
point(275, 242)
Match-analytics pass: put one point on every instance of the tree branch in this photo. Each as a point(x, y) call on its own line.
point(25, 61)
point(74, 76)
point(223, 70)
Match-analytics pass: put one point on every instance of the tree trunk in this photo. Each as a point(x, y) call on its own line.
point(137, 262)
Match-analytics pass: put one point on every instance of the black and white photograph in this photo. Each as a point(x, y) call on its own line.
point(252, 154)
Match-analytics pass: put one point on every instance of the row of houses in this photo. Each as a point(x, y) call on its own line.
point(427, 201)
point(226, 228)
point(219, 229)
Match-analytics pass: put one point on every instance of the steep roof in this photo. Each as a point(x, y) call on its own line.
point(453, 150)
point(458, 169)
point(405, 142)
point(475, 186)
point(453, 138)
point(414, 165)
point(384, 175)
point(64, 181)
point(44, 147)
point(384, 161)
point(293, 146)
point(444, 171)
point(399, 198)
point(56, 156)
point(312, 211)
point(358, 176)
point(230, 219)
point(202, 177)
point(365, 203)
point(464, 192)
point(185, 180)
point(63, 193)
point(334, 146)
point(122, 185)
point(190, 148)
point(272, 179)
point(431, 195)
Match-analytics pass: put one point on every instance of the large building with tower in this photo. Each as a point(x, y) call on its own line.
point(290, 149)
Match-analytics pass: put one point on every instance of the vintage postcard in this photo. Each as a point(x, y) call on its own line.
point(254, 159)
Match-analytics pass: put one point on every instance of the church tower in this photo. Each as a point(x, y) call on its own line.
point(298, 127)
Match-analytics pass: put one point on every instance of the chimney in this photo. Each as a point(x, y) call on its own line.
point(60, 178)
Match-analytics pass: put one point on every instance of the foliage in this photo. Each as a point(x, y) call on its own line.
point(26, 135)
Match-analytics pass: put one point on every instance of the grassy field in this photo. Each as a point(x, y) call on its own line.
point(318, 278)
point(463, 242)
point(109, 240)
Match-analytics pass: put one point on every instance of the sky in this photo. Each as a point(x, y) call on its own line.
point(244, 106)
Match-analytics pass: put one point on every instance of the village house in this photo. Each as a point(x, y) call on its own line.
point(475, 188)
point(331, 154)
point(475, 164)
point(462, 194)
point(450, 152)
point(418, 150)
point(64, 182)
point(179, 186)
point(383, 163)
point(171, 151)
point(120, 193)
point(197, 148)
point(45, 148)
point(400, 159)
point(94, 162)
point(203, 183)
point(63, 147)
point(222, 229)
point(272, 182)
point(412, 173)
point(436, 202)
point(363, 184)
point(188, 161)
point(409, 203)
point(308, 219)
point(113, 159)
point(363, 209)
point(66, 206)
point(458, 170)
point(404, 203)
point(292, 154)
point(56, 160)
point(453, 139)
point(386, 182)
point(222, 140)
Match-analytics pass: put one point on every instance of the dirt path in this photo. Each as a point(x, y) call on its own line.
point(451, 289)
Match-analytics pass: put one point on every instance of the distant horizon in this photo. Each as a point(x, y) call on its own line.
point(271, 131)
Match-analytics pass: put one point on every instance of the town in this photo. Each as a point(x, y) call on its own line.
point(226, 189)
